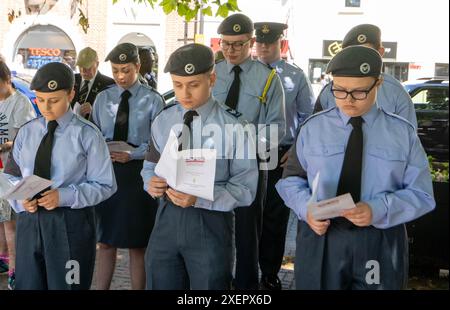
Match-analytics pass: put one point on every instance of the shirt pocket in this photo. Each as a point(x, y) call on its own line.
point(324, 157)
point(389, 163)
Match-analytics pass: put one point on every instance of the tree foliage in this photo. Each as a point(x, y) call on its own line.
point(189, 9)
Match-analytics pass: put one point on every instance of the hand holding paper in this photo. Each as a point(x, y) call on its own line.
point(26, 188)
point(119, 146)
point(329, 208)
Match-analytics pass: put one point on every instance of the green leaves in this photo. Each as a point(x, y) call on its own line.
point(189, 9)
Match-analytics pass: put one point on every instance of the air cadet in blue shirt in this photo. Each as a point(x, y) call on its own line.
point(125, 113)
point(392, 97)
point(299, 100)
point(374, 155)
point(256, 92)
point(55, 229)
point(191, 244)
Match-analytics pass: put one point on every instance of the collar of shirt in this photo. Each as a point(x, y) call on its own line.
point(369, 117)
point(245, 66)
point(64, 120)
point(278, 63)
point(204, 110)
point(133, 89)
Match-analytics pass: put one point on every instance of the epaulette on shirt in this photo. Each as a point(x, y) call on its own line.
point(154, 90)
point(295, 65)
point(317, 114)
point(31, 120)
point(398, 117)
point(166, 107)
point(86, 122)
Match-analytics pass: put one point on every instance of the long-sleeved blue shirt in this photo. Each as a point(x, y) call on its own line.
point(395, 182)
point(253, 79)
point(236, 167)
point(81, 168)
point(144, 104)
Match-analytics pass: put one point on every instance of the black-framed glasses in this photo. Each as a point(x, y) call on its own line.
point(356, 94)
point(237, 46)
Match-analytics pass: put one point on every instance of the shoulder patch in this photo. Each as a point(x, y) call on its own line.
point(230, 111)
point(234, 112)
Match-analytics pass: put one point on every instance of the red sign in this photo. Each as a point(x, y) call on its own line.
point(55, 52)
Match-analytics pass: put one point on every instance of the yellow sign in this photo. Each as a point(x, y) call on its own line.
point(334, 48)
point(199, 38)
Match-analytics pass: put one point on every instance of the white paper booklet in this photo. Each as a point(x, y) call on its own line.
point(190, 171)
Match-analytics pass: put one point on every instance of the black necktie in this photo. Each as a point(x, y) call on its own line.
point(83, 92)
point(186, 132)
point(233, 93)
point(350, 179)
point(121, 125)
point(43, 159)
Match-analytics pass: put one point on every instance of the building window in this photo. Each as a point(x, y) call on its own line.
point(352, 3)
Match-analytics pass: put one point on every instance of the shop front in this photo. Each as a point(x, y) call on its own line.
point(41, 44)
point(317, 66)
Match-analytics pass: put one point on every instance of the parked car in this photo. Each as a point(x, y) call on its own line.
point(430, 98)
point(22, 84)
point(428, 235)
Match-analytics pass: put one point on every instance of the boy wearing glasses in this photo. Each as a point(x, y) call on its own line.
point(374, 155)
point(393, 97)
point(241, 84)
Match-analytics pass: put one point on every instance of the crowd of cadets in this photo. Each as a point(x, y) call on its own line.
point(362, 141)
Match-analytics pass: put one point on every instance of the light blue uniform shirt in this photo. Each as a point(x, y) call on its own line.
point(395, 182)
point(81, 168)
point(144, 104)
point(236, 179)
point(391, 96)
point(299, 98)
point(253, 79)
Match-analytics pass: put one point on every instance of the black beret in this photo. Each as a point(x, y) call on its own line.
point(363, 34)
point(269, 32)
point(52, 77)
point(123, 53)
point(191, 59)
point(236, 24)
point(356, 61)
